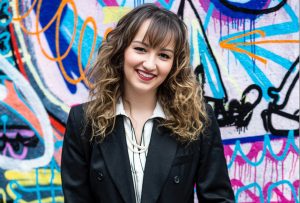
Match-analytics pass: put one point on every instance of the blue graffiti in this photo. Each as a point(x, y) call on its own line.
point(5, 15)
point(247, 187)
point(208, 15)
point(269, 192)
point(210, 67)
point(281, 182)
point(4, 43)
point(254, 72)
point(271, 30)
point(37, 191)
point(67, 27)
point(165, 4)
point(290, 143)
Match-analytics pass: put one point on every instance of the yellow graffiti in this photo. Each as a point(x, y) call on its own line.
point(234, 45)
point(113, 13)
point(29, 178)
point(57, 17)
point(41, 177)
point(3, 194)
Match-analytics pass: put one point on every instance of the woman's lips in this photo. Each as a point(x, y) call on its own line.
point(145, 76)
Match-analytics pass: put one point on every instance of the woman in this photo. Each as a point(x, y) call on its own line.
point(146, 135)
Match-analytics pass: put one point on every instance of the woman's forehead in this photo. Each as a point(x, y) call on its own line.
point(155, 36)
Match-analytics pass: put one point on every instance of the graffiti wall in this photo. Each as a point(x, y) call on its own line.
point(245, 52)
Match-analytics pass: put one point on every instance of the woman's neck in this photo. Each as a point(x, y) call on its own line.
point(137, 105)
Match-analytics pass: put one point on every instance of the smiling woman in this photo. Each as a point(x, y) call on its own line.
point(145, 67)
point(146, 135)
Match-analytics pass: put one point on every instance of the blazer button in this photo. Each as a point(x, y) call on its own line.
point(176, 179)
point(100, 176)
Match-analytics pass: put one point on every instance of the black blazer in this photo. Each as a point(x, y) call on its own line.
point(100, 172)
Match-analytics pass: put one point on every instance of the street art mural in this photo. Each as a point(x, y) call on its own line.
point(245, 53)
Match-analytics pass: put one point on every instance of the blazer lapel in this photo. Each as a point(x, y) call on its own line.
point(160, 155)
point(114, 150)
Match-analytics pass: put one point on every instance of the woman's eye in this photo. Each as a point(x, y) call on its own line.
point(164, 56)
point(140, 49)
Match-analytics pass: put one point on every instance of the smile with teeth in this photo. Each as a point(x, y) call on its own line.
point(145, 76)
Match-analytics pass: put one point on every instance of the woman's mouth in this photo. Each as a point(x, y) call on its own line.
point(145, 76)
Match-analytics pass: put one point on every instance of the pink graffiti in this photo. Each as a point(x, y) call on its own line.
point(13, 133)
point(256, 197)
point(238, 184)
point(111, 2)
point(255, 150)
point(8, 148)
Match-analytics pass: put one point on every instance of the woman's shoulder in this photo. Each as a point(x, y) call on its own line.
point(209, 109)
point(77, 132)
point(77, 116)
point(78, 109)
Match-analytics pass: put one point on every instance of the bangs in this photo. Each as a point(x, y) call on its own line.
point(161, 32)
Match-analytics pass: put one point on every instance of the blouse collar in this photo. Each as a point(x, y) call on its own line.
point(157, 112)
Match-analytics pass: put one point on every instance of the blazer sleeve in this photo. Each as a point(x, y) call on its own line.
point(213, 183)
point(74, 164)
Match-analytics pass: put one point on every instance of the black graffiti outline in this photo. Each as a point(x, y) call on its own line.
point(240, 112)
point(180, 12)
point(253, 11)
point(274, 108)
point(19, 139)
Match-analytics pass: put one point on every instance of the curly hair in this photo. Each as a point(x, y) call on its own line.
point(180, 94)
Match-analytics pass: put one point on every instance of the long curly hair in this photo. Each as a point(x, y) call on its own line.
point(180, 94)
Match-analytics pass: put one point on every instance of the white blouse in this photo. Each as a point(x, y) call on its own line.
point(138, 153)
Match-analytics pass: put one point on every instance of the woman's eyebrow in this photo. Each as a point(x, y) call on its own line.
point(147, 45)
point(140, 42)
point(165, 49)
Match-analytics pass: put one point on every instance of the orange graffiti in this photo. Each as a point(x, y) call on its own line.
point(14, 102)
point(107, 31)
point(57, 17)
point(234, 46)
point(89, 19)
point(26, 13)
point(57, 151)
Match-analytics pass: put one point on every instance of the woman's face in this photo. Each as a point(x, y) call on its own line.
point(145, 68)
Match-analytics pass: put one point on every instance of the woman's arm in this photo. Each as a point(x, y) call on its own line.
point(74, 166)
point(213, 183)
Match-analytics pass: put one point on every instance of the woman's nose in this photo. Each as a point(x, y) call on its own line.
point(149, 62)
